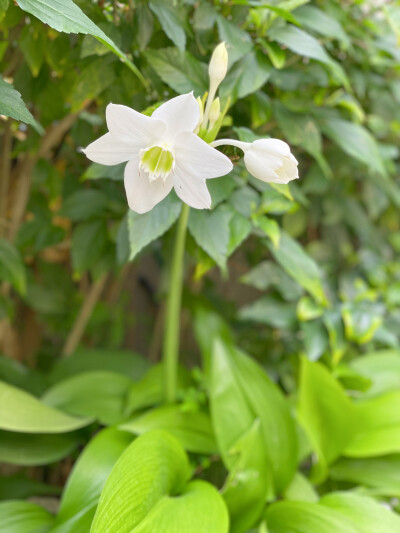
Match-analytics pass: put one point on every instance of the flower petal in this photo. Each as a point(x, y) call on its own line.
point(181, 113)
point(255, 164)
point(127, 124)
point(142, 194)
point(192, 191)
point(109, 150)
point(274, 146)
point(198, 159)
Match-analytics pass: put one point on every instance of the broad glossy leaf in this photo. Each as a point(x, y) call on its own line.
point(299, 265)
point(143, 229)
point(65, 16)
point(170, 20)
point(12, 268)
point(301, 490)
point(23, 413)
point(24, 517)
point(99, 394)
point(32, 450)
point(148, 489)
point(325, 412)
point(12, 105)
point(366, 513)
point(87, 479)
point(192, 429)
point(382, 368)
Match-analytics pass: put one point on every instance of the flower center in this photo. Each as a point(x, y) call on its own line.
point(158, 161)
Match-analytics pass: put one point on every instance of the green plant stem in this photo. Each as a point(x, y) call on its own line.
point(173, 309)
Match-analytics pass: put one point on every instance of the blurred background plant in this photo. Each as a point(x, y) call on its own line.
point(291, 274)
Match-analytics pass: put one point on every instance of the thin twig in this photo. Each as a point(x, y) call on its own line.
point(83, 317)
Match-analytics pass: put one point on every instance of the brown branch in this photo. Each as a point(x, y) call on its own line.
point(83, 317)
point(5, 173)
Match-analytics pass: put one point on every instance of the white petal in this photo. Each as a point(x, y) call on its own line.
point(255, 164)
point(181, 113)
point(274, 146)
point(199, 159)
point(128, 124)
point(109, 150)
point(142, 194)
point(191, 190)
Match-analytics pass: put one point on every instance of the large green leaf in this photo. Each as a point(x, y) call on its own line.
point(148, 490)
point(192, 429)
point(24, 517)
point(12, 268)
point(143, 229)
point(97, 394)
point(299, 265)
point(325, 412)
point(11, 105)
point(321, 22)
point(31, 450)
point(87, 479)
point(382, 368)
point(65, 16)
point(23, 413)
point(170, 20)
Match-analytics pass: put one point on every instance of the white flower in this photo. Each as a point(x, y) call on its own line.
point(162, 152)
point(268, 160)
point(218, 66)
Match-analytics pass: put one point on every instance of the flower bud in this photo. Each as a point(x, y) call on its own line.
point(218, 65)
point(215, 112)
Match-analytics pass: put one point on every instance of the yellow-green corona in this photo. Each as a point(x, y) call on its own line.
point(158, 161)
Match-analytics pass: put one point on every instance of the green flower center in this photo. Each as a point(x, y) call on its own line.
point(158, 161)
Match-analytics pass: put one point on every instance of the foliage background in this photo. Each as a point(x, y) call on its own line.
point(292, 275)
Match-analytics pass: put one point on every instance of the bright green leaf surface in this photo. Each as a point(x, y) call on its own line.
point(24, 517)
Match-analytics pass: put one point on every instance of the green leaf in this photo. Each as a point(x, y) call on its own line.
point(192, 429)
point(32, 450)
point(24, 517)
point(380, 473)
point(12, 268)
point(23, 413)
point(304, 44)
point(143, 229)
point(88, 243)
point(85, 204)
point(240, 228)
point(271, 311)
point(170, 20)
point(378, 426)
point(11, 105)
point(299, 265)
point(65, 16)
point(304, 517)
point(356, 141)
point(147, 490)
point(301, 490)
point(181, 71)
point(366, 514)
point(325, 412)
point(382, 368)
point(88, 477)
point(99, 395)
point(211, 232)
point(19, 486)
point(321, 22)
point(269, 227)
point(238, 41)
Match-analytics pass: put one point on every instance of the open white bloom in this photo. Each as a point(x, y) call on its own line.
point(268, 160)
point(162, 152)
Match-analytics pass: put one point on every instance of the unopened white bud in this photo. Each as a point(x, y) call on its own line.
point(215, 112)
point(218, 65)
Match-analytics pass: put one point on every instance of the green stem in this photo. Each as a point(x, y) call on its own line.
point(173, 310)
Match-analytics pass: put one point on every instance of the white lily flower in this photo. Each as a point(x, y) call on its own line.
point(268, 160)
point(162, 153)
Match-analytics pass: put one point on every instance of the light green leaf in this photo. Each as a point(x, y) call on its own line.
point(321, 22)
point(32, 450)
point(366, 513)
point(12, 268)
point(237, 40)
point(99, 395)
point(87, 479)
point(298, 264)
point(271, 311)
point(211, 232)
point(147, 490)
point(143, 229)
point(170, 21)
point(23, 413)
point(269, 227)
point(240, 229)
point(301, 490)
point(356, 141)
point(192, 429)
point(382, 368)
point(24, 517)
point(181, 71)
point(65, 16)
point(11, 105)
point(325, 412)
